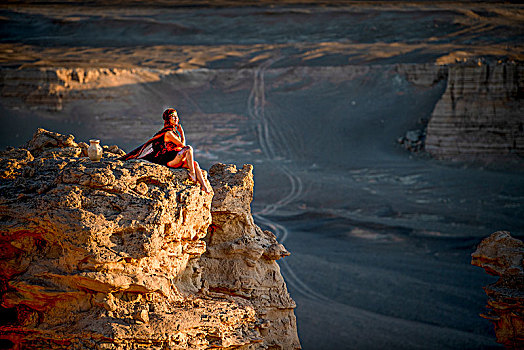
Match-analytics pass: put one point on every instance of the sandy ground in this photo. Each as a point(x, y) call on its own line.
point(356, 33)
point(312, 96)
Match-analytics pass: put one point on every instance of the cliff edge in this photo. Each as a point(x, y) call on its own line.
point(121, 255)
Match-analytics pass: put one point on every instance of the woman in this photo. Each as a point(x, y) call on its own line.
point(168, 147)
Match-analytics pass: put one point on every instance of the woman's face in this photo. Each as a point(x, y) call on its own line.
point(174, 118)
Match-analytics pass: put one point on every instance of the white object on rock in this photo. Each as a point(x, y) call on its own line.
point(94, 151)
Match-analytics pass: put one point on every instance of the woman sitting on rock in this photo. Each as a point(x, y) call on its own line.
point(168, 147)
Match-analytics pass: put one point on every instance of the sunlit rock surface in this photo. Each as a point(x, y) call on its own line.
point(502, 255)
point(240, 257)
point(107, 255)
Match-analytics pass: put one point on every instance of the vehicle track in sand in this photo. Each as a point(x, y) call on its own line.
point(267, 139)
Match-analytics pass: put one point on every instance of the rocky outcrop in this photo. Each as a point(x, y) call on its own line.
point(480, 114)
point(49, 87)
point(108, 255)
point(240, 257)
point(502, 255)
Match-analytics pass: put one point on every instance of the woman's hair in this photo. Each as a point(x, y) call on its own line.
point(168, 113)
point(168, 122)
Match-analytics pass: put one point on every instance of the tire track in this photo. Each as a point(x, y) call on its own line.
point(256, 103)
point(255, 108)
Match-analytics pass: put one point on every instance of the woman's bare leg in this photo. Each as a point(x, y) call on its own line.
point(190, 163)
point(200, 178)
point(195, 172)
point(186, 157)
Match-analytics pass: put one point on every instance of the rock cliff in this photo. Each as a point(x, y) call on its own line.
point(128, 255)
point(502, 255)
point(240, 257)
point(479, 116)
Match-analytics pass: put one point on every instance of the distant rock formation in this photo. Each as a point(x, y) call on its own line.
point(49, 87)
point(480, 115)
point(425, 75)
point(113, 255)
point(502, 255)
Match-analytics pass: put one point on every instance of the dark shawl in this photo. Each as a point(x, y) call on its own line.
point(156, 148)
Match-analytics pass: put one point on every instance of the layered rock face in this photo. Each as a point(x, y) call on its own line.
point(108, 255)
point(480, 114)
point(50, 87)
point(502, 255)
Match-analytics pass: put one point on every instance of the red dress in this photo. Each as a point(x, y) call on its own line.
point(157, 150)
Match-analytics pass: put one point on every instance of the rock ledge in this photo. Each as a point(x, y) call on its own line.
point(129, 255)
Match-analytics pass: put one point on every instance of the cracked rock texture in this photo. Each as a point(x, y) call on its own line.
point(502, 255)
point(113, 255)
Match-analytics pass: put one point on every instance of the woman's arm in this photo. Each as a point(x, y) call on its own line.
point(171, 136)
point(182, 135)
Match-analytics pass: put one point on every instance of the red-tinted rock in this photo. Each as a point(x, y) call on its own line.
point(502, 255)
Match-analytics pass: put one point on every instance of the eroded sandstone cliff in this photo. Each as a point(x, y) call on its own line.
point(113, 255)
point(240, 257)
point(502, 255)
point(479, 116)
point(49, 88)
